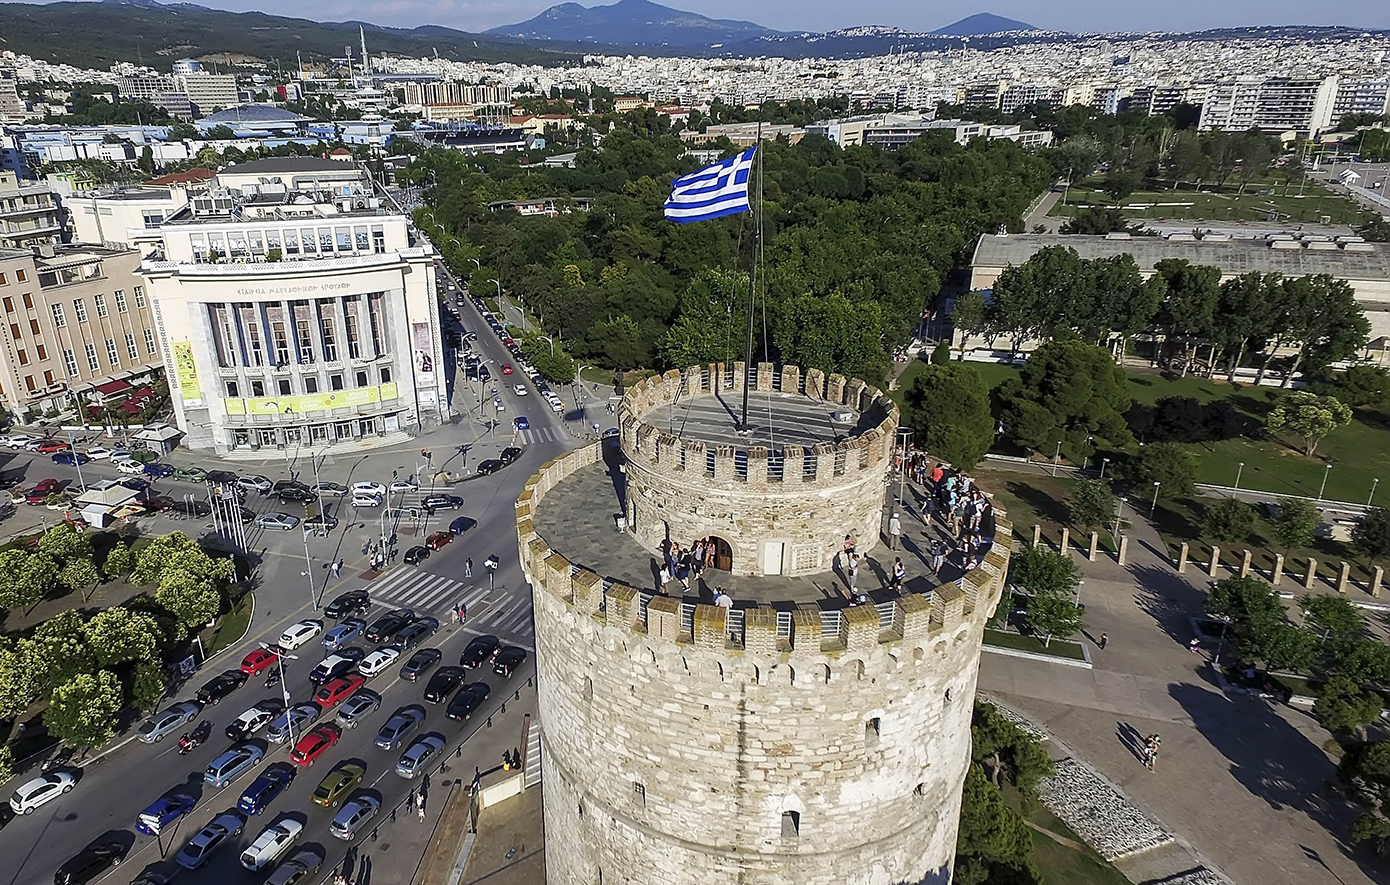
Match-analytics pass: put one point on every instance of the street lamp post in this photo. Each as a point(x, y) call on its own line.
point(280, 655)
point(1055, 456)
point(904, 434)
point(309, 569)
point(1372, 495)
point(551, 340)
point(1322, 488)
point(1103, 462)
point(1239, 468)
point(1119, 515)
point(1154, 506)
point(77, 462)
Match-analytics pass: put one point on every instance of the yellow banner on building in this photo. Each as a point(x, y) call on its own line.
point(309, 402)
point(187, 373)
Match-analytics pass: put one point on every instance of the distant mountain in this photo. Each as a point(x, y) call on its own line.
point(631, 23)
point(982, 23)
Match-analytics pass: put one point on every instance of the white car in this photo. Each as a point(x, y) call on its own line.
point(405, 485)
point(556, 406)
point(254, 483)
point(128, 466)
point(329, 489)
point(272, 844)
point(41, 790)
point(98, 453)
point(369, 488)
point(253, 720)
point(378, 660)
point(19, 440)
point(300, 633)
point(520, 389)
point(361, 499)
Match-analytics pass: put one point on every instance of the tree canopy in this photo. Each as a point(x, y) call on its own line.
point(1068, 391)
point(948, 411)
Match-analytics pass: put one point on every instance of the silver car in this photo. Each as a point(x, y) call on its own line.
point(298, 869)
point(354, 816)
point(356, 707)
point(161, 724)
point(298, 718)
point(232, 764)
point(206, 841)
point(281, 522)
point(418, 755)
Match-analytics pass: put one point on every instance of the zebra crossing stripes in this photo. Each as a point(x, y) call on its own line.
point(419, 590)
point(540, 434)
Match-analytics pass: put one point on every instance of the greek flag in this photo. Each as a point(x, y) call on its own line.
point(721, 189)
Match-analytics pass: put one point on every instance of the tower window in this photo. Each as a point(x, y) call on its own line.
point(639, 794)
point(791, 824)
point(871, 733)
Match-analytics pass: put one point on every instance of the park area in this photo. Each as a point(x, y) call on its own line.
point(1264, 200)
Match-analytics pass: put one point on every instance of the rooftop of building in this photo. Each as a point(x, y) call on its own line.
point(775, 419)
point(253, 113)
point(80, 253)
point(196, 175)
point(1286, 255)
point(288, 166)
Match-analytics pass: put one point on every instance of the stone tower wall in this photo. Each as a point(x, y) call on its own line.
point(807, 499)
point(859, 724)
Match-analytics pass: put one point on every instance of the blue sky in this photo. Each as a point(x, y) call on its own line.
point(821, 15)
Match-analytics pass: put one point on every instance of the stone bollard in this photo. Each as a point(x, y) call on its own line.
point(1065, 546)
point(1182, 558)
point(1278, 574)
point(1343, 576)
point(1123, 553)
point(1215, 562)
point(1245, 564)
point(1095, 546)
point(1312, 574)
point(1377, 575)
point(1037, 535)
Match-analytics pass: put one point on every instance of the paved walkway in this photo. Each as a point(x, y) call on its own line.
point(1241, 781)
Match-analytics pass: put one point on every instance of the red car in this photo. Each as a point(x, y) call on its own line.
point(438, 540)
point(333, 691)
point(506, 368)
point(314, 744)
point(38, 493)
point(257, 661)
point(49, 446)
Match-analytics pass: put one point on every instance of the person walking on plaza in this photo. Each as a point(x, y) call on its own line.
point(895, 532)
point(1151, 745)
point(899, 573)
point(468, 567)
point(852, 572)
point(1104, 641)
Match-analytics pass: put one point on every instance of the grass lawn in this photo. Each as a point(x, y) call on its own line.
point(231, 626)
point(1069, 862)
point(1057, 648)
point(1263, 200)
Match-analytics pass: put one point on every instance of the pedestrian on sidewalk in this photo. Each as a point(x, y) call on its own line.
point(895, 532)
point(1192, 644)
point(338, 568)
point(1104, 639)
point(852, 572)
point(468, 567)
point(1151, 744)
point(899, 573)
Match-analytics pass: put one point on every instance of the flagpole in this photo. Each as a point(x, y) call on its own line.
point(753, 275)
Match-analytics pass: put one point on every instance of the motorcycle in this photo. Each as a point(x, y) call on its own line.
point(190, 740)
point(272, 679)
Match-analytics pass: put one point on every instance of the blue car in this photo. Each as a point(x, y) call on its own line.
point(70, 458)
point(341, 635)
point(264, 789)
point(154, 468)
point(461, 525)
point(163, 812)
point(135, 483)
point(521, 422)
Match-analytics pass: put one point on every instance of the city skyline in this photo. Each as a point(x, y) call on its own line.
point(821, 15)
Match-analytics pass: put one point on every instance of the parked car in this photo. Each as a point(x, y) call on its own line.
point(337, 783)
point(159, 470)
point(376, 662)
point(158, 726)
point(346, 631)
point(254, 719)
point(272, 844)
point(386, 626)
point(40, 791)
point(205, 842)
point(136, 484)
point(41, 490)
point(90, 863)
point(479, 650)
point(419, 662)
point(354, 816)
point(258, 660)
point(190, 474)
point(508, 659)
point(356, 708)
point(254, 483)
point(443, 683)
point(296, 718)
point(299, 633)
point(232, 764)
point(341, 662)
point(335, 691)
point(163, 812)
point(219, 686)
point(263, 790)
point(298, 870)
point(437, 540)
point(353, 602)
point(280, 522)
point(467, 700)
point(401, 723)
point(71, 458)
point(419, 754)
point(128, 465)
point(410, 635)
point(315, 744)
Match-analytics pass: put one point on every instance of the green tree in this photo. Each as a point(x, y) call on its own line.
point(1365, 768)
point(1258, 627)
point(1230, 519)
point(1189, 313)
point(1345, 707)
point(1325, 322)
point(1095, 220)
point(79, 574)
point(1359, 386)
point(1068, 391)
point(710, 327)
point(1042, 572)
point(191, 599)
point(60, 650)
point(991, 834)
point(1307, 416)
point(147, 686)
point(146, 161)
point(1371, 535)
point(1334, 616)
point(82, 711)
point(1171, 465)
point(1007, 752)
point(941, 354)
point(969, 316)
point(21, 683)
point(1092, 504)
point(948, 411)
point(1295, 523)
point(557, 367)
point(6, 763)
point(1249, 309)
point(1055, 615)
point(25, 578)
point(118, 634)
point(119, 561)
point(64, 543)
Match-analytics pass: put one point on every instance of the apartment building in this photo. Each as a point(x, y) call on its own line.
point(296, 316)
point(12, 109)
point(74, 317)
point(1361, 97)
point(440, 93)
point(145, 86)
point(1270, 104)
point(29, 213)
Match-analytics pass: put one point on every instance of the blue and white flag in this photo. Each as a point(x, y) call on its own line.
point(721, 189)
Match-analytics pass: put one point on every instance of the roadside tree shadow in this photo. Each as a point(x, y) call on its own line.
point(1047, 507)
point(1168, 598)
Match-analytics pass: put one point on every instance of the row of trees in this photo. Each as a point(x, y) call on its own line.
point(1057, 294)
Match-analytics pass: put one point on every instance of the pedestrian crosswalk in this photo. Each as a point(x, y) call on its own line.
point(424, 593)
point(541, 434)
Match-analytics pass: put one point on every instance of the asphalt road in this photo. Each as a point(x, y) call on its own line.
point(128, 776)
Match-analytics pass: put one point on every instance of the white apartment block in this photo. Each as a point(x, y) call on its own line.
point(1361, 97)
point(145, 86)
point(445, 93)
point(12, 110)
point(29, 214)
point(296, 318)
point(209, 92)
point(1273, 104)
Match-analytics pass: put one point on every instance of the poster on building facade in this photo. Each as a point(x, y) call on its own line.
point(186, 371)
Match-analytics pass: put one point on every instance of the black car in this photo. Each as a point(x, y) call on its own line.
point(484, 374)
point(442, 684)
point(384, 627)
point(322, 521)
point(419, 662)
point(220, 476)
point(467, 700)
point(344, 662)
point(410, 635)
point(439, 502)
point(90, 863)
point(481, 649)
point(508, 659)
point(416, 555)
point(285, 485)
point(509, 454)
point(491, 465)
point(296, 495)
point(221, 685)
point(353, 602)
